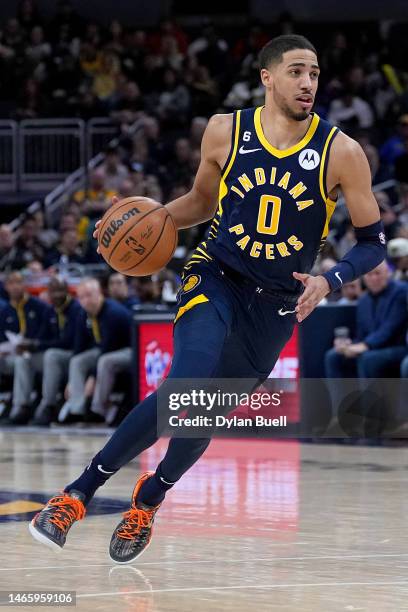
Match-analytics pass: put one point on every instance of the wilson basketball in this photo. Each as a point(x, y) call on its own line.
point(137, 236)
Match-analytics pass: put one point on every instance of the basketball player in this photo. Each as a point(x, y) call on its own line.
point(269, 178)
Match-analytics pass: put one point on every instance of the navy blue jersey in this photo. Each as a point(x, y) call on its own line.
point(274, 210)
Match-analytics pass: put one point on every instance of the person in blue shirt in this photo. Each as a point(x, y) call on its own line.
point(381, 326)
point(49, 355)
point(102, 344)
point(24, 315)
point(392, 148)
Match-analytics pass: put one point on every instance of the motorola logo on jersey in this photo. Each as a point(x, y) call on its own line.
point(309, 159)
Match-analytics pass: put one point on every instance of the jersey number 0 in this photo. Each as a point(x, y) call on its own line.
point(268, 220)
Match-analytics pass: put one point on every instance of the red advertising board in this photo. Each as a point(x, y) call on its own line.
point(156, 352)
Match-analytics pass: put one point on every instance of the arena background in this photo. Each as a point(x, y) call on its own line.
point(104, 98)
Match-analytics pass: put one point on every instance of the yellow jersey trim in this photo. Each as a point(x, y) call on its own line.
point(198, 299)
point(330, 206)
point(323, 190)
point(223, 190)
point(284, 152)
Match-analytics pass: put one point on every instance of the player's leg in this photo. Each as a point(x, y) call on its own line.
point(198, 342)
point(250, 352)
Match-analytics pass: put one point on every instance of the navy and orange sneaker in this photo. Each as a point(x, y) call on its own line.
point(51, 525)
point(133, 534)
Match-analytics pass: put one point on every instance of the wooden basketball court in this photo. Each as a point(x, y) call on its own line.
point(255, 525)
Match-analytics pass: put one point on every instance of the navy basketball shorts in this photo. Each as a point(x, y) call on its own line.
point(259, 323)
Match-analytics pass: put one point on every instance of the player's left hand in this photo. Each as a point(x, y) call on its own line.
point(316, 288)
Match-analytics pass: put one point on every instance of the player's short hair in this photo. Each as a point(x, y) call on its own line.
point(273, 51)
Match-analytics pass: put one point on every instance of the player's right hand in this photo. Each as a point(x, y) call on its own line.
point(95, 234)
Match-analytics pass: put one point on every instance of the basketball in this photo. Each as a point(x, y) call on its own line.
point(137, 236)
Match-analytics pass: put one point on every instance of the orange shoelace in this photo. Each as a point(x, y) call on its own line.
point(69, 509)
point(136, 520)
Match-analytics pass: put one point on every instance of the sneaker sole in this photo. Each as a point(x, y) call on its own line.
point(40, 537)
point(133, 558)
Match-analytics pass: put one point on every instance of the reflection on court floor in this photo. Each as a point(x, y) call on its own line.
point(255, 524)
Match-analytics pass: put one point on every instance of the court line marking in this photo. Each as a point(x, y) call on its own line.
point(242, 586)
point(192, 562)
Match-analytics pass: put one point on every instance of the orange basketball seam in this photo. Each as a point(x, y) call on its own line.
point(154, 246)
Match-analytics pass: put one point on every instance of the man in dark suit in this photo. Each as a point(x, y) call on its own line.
point(102, 333)
point(50, 353)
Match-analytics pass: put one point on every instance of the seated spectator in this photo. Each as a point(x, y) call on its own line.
point(148, 289)
point(210, 49)
point(115, 171)
point(106, 78)
point(129, 105)
point(388, 215)
point(397, 250)
point(247, 91)
point(95, 200)
point(102, 344)
point(67, 252)
point(118, 290)
point(38, 49)
point(69, 220)
point(174, 99)
point(177, 170)
point(26, 316)
point(381, 326)
point(48, 355)
point(204, 90)
point(394, 146)
point(32, 102)
point(378, 173)
point(127, 189)
point(46, 235)
point(157, 150)
point(351, 292)
point(349, 112)
point(197, 129)
point(26, 246)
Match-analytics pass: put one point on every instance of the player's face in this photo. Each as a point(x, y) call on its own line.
point(293, 83)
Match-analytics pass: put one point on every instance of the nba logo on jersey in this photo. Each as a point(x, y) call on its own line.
point(309, 159)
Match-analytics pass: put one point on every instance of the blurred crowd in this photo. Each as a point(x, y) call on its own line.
point(62, 352)
point(170, 80)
